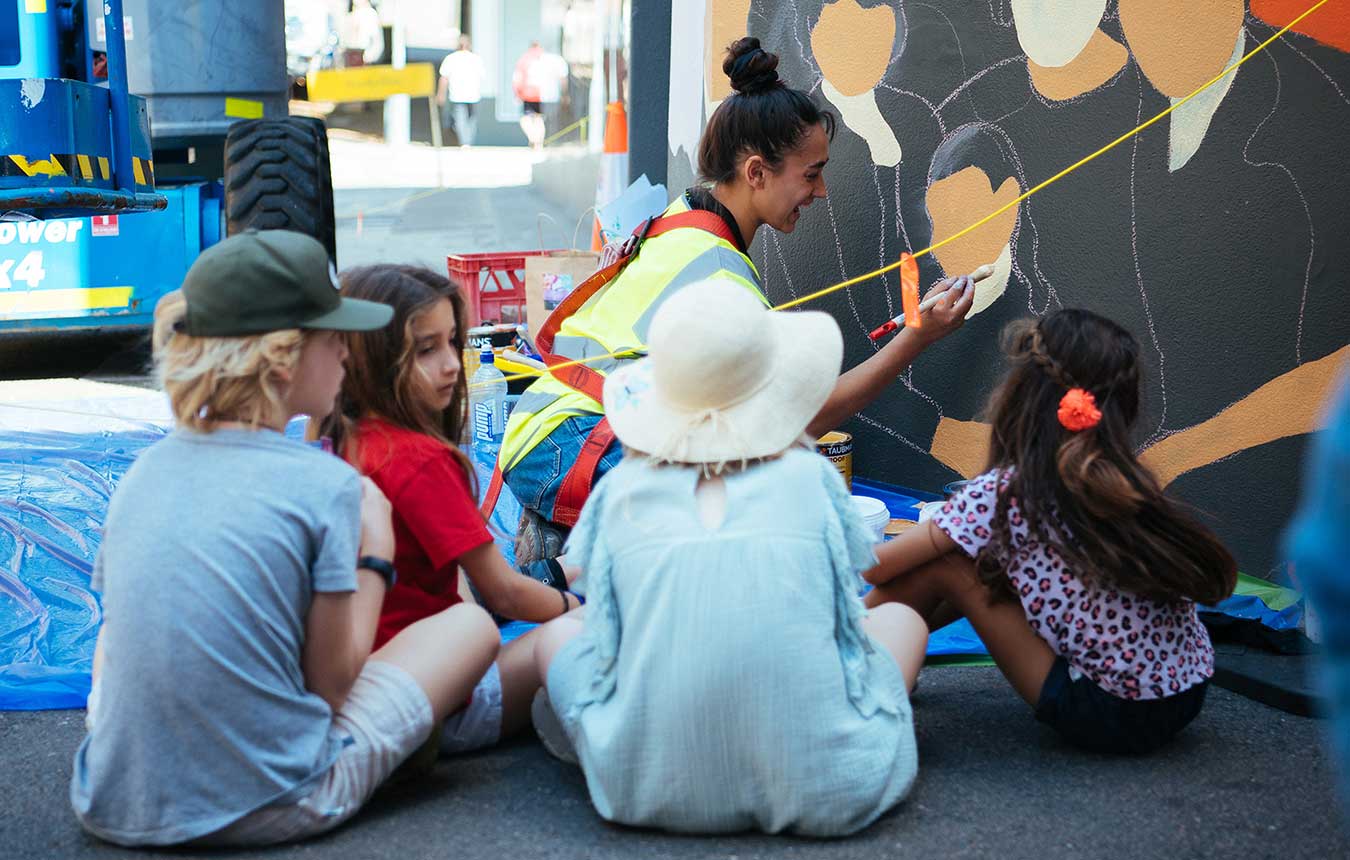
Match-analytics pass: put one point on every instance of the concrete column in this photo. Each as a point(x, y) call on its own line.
point(649, 89)
point(397, 109)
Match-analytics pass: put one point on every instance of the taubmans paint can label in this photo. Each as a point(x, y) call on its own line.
point(838, 447)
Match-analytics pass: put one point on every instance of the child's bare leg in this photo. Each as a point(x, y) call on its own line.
point(552, 637)
point(447, 654)
point(899, 629)
point(520, 675)
point(1023, 657)
point(519, 682)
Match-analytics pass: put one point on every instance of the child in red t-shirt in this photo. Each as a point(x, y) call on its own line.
point(402, 406)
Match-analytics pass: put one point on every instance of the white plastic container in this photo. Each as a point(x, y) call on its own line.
point(876, 516)
point(929, 509)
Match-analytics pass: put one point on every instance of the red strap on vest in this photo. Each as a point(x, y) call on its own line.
point(494, 492)
point(577, 483)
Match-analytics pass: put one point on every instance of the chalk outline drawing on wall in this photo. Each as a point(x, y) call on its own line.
point(958, 443)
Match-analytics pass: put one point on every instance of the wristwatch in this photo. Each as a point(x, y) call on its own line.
point(383, 567)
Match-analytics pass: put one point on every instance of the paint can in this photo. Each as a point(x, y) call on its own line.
point(837, 447)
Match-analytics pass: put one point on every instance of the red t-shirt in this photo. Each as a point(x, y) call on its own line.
point(436, 519)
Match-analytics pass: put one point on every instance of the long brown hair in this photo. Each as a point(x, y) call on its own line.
point(763, 115)
point(1085, 493)
point(381, 378)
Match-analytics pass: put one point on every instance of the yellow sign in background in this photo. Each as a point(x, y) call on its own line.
point(371, 83)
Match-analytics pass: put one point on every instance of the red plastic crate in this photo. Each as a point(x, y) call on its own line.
point(494, 284)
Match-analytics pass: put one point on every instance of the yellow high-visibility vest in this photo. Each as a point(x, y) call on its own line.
point(617, 318)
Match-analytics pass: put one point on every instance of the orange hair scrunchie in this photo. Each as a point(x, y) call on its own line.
point(1078, 410)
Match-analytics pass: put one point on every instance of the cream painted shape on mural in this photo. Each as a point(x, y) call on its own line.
point(861, 114)
point(852, 47)
point(1053, 32)
point(1190, 122)
point(992, 288)
point(728, 20)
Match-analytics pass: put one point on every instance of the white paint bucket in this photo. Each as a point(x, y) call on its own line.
point(876, 516)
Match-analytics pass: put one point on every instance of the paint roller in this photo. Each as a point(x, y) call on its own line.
point(893, 325)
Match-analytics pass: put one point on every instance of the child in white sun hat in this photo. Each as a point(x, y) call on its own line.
point(726, 676)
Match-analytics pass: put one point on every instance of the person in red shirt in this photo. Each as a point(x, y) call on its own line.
point(403, 403)
point(525, 82)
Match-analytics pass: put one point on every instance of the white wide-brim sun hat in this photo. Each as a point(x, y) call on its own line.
point(725, 379)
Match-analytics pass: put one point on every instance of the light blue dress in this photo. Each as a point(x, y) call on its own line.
point(724, 681)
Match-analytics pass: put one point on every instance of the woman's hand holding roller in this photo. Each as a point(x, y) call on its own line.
point(945, 307)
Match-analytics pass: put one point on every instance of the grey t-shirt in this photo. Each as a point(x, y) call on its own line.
point(213, 547)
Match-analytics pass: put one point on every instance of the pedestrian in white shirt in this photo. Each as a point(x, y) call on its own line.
point(462, 77)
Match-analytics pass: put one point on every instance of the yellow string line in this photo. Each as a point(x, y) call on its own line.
point(991, 216)
point(400, 202)
point(581, 123)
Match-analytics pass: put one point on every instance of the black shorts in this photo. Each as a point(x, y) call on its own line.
point(1089, 717)
point(533, 107)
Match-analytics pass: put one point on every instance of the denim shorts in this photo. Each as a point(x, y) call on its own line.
point(1089, 717)
point(535, 479)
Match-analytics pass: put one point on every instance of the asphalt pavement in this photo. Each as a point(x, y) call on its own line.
point(1243, 781)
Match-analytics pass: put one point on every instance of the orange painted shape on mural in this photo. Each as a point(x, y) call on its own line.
point(1098, 62)
point(1327, 25)
point(727, 21)
point(1181, 45)
point(1288, 405)
point(950, 202)
point(853, 45)
point(1292, 404)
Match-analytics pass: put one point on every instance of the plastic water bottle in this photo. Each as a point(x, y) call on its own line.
point(487, 415)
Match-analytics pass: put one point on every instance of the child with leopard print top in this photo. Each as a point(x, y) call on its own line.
point(1079, 574)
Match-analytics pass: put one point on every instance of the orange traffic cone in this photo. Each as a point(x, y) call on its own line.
point(613, 165)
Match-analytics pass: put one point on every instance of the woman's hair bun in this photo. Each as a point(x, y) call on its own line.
point(750, 68)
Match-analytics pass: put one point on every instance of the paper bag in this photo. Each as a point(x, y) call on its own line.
point(550, 278)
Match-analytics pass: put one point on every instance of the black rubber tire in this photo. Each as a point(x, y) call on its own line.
point(278, 177)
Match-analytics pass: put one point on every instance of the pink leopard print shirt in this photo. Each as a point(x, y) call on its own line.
point(1130, 647)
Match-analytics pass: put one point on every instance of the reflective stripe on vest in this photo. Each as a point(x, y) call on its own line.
point(619, 317)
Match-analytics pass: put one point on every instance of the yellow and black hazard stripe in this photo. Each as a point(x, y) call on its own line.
point(144, 168)
point(78, 167)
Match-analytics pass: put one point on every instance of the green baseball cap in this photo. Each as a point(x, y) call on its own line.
point(261, 281)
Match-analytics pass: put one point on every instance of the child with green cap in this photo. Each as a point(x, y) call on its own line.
point(235, 697)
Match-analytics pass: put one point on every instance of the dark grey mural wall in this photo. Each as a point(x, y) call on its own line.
point(1219, 236)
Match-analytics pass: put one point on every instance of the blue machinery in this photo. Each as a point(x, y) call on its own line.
point(87, 237)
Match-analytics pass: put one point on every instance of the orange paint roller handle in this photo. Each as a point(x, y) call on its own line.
point(909, 289)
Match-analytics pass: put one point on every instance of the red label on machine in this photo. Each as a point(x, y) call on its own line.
point(103, 225)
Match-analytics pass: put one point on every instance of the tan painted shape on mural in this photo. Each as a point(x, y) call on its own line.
point(1288, 405)
point(853, 45)
point(728, 20)
point(954, 201)
point(962, 446)
point(1181, 45)
point(1095, 65)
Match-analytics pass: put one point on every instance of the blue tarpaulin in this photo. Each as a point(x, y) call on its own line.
point(61, 456)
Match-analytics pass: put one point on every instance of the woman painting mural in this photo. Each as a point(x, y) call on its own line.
point(761, 160)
